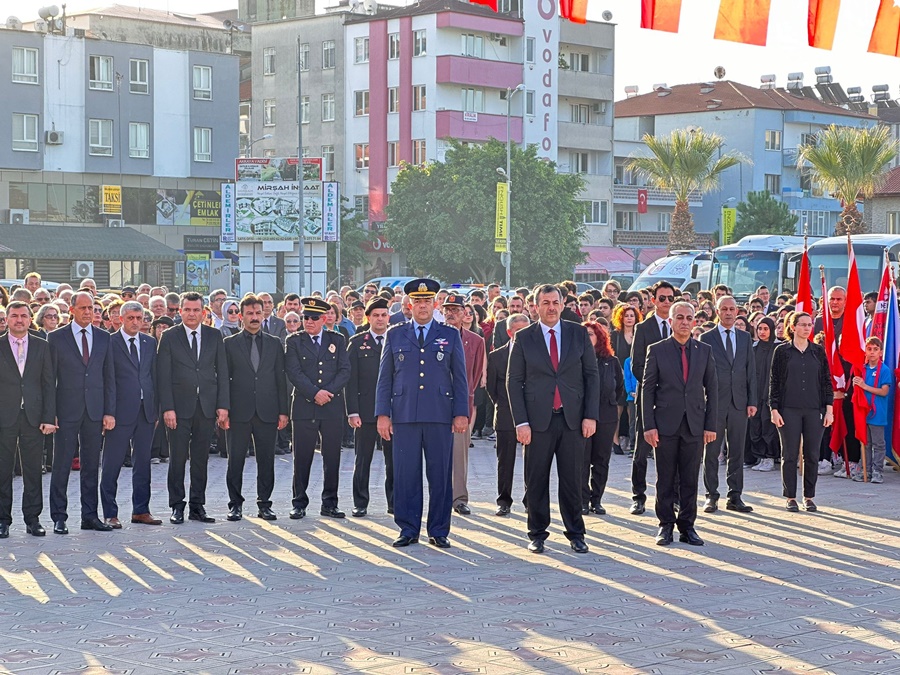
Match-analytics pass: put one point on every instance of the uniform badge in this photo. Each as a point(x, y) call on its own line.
point(440, 356)
point(331, 348)
point(400, 357)
point(423, 288)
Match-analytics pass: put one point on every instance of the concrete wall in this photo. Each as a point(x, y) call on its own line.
point(20, 97)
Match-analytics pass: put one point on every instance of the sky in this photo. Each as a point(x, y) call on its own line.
point(645, 57)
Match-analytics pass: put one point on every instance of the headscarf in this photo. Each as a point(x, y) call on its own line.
point(229, 327)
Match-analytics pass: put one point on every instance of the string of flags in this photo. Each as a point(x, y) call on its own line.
point(573, 10)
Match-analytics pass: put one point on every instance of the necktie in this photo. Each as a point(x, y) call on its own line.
point(265, 327)
point(316, 343)
point(85, 351)
point(20, 355)
point(254, 353)
point(379, 339)
point(665, 329)
point(421, 336)
point(132, 348)
point(684, 363)
point(554, 361)
point(729, 346)
point(194, 345)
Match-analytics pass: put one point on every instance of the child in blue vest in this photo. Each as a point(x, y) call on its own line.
point(630, 390)
point(877, 384)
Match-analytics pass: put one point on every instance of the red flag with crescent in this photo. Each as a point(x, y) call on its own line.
point(642, 201)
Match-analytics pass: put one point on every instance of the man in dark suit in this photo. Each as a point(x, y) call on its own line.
point(317, 366)
point(422, 399)
point(554, 393)
point(85, 408)
point(271, 324)
point(134, 355)
point(193, 392)
point(736, 376)
point(27, 413)
point(364, 352)
point(678, 395)
point(259, 407)
point(500, 336)
point(763, 294)
point(649, 331)
point(505, 428)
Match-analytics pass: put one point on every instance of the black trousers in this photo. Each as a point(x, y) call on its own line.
point(238, 439)
point(85, 437)
point(306, 433)
point(595, 471)
point(506, 466)
point(763, 435)
point(567, 446)
point(677, 477)
point(640, 457)
point(366, 440)
point(854, 452)
point(189, 440)
point(805, 423)
point(160, 446)
point(28, 442)
point(731, 425)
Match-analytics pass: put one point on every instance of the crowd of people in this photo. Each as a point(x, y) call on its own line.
point(97, 382)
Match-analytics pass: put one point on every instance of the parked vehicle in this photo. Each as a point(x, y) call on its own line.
point(756, 260)
point(687, 270)
point(868, 249)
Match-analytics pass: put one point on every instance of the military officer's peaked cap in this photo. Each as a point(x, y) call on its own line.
point(421, 288)
point(455, 300)
point(313, 305)
point(376, 303)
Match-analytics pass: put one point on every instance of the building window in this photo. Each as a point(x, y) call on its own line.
point(773, 184)
point(101, 73)
point(472, 100)
point(100, 137)
point(25, 65)
point(328, 54)
point(269, 61)
point(202, 144)
point(303, 56)
point(393, 154)
point(472, 45)
point(419, 42)
point(304, 110)
point(328, 158)
point(139, 140)
point(361, 206)
point(393, 100)
point(773, 139)
point(529, 102)
point(24, 132)
point(328, 107)
point(817, 223)
point(504, 6)
point(578, 162)
point(419, 97)
point(580, 114)
point(203, 83)
point(419, 152)
point(361, 101)
point(596, 212)
point(893, 222)
point(269, 152)
point(305, 151)
point(664, 221)
point(269, 112)
point(393, 46)
point(139, 76)
point(361, 50)
point(809, 139)
point(362, 155)
point(626, 220)
point(529, 50)
point(580, 63)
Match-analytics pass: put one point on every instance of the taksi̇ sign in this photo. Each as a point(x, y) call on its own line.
point(111, 199)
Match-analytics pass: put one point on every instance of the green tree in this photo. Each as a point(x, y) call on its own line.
point(442, 215)
point(354, 237)
point(763, 214)
point(850, 163)
point(686, 161)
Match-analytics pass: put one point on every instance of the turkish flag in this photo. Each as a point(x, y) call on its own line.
point(642, 201)
point(853, 343)
point(661, 15)
point(490, 3)
point(886, 33)
point(823, 15)
point(573, 10)
point(744, 21)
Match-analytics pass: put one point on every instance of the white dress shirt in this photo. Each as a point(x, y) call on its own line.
point(659, 323)
point(188, 332)
point(137, 341)
point(76, 331)
point(558, 333)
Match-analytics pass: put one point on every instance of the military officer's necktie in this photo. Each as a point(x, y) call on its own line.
point(316, 343)
point(254, 353)
point(729, 346)
point(85, 351)
point(421, 336)
point(379, 339)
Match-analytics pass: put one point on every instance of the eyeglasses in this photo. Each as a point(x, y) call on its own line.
point(665, 298)
point(307, 317)
point(234, 311)
point(292, 321)
point(172, 310)
point(55, 317)
point(369, 292)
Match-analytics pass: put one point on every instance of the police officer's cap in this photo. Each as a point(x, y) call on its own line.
point(421, 288)
point(313, 305)
point(376, 303)
point(455, 300)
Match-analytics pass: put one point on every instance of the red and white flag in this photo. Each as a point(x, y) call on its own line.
point(642, 200)
point(573, 10)
point(488, 3)
point(744, 21)
point(661, 15)
point(822, 23)
point(879, 318)
point(853, 343)
point(838, 379)
point(804, 287)
point(886, 33)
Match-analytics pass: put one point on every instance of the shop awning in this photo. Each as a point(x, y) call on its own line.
point(61, 242)
point(650, 255)
point(605, 260)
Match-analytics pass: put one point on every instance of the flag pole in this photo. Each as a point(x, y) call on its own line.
point(841, 400)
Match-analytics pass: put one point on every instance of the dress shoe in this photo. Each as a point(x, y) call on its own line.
point(536, 546)
point(665, 535)
point(95, 524)
point(35, 529)
point(114, 523)
point(235, 514)
point(403, 540)
point(390, 510)
point(358, 512)
point(177, 517)
point(440, 542)
point(145, 519)
point(297, 513)
point(711, 505)
point(599, 510)
point(199, 514)
point(502, 511)
point(738, 505)
point(579, 546)
point(267, 514)
point(690, 537)
point(59, 527)
point(810, 505)
point(332, 512)
point(791, 505)
point(585, 510)
point(637, 507)
point(462, 509)
point(4, 530)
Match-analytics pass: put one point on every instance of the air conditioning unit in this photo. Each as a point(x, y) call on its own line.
point(495, 37)
point(599, 108)
point(19, 217)
point(82, 269)
point(54, 137)
point(115, 222)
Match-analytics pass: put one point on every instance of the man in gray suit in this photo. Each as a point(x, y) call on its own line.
point(736, 374)
point(271, 324)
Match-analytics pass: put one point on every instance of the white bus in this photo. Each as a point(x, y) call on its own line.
point(756, 260)
point(869, 251)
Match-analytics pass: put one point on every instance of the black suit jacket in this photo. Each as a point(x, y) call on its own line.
point(36, 387)
point(262, 392)
point(499, 338)
point(133, 380)
point(736, 380)
point(531, 380)
point(364, 354)
point(277, 328)
point(666, 399)
point(645, 334)
point(497, 366)
point(183, 381)
point(309, 371)
point(83, 389)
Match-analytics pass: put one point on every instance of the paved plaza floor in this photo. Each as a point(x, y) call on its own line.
point(770, 591)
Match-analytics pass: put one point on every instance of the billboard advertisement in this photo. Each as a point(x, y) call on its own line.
point(196, 277)
point(185, 208)
point(331, 211)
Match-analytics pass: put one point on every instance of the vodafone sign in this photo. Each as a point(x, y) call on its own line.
point(378, 245)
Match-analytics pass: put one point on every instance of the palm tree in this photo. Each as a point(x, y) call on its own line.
point(850, 163)
point(686, 161)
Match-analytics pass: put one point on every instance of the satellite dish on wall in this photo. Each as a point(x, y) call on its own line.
point(719, 72)
point(607, 15)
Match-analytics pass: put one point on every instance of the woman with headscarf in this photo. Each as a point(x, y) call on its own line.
point(231, 318)
point(763, 447)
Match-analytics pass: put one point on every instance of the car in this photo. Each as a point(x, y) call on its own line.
point(390, 282)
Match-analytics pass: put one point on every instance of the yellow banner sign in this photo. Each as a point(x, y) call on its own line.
point(111, 199)
point(501, 225)
point(729, 220)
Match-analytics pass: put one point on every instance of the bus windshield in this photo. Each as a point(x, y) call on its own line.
point(745, 271)
point(869, 261)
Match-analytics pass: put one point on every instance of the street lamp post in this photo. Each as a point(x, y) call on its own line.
point(250, 145)
point(507, 174)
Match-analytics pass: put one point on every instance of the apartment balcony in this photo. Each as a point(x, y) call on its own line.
point(789, 158)
point(474, 72)
point(628, 194)
point(586, 85)
point(471, 126)
point(500, 24)
point(578, 136)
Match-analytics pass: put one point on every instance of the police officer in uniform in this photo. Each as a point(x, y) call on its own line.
point(317, 366)
point(422, 398)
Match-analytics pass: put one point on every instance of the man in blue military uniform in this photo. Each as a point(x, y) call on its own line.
point(422, 398)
